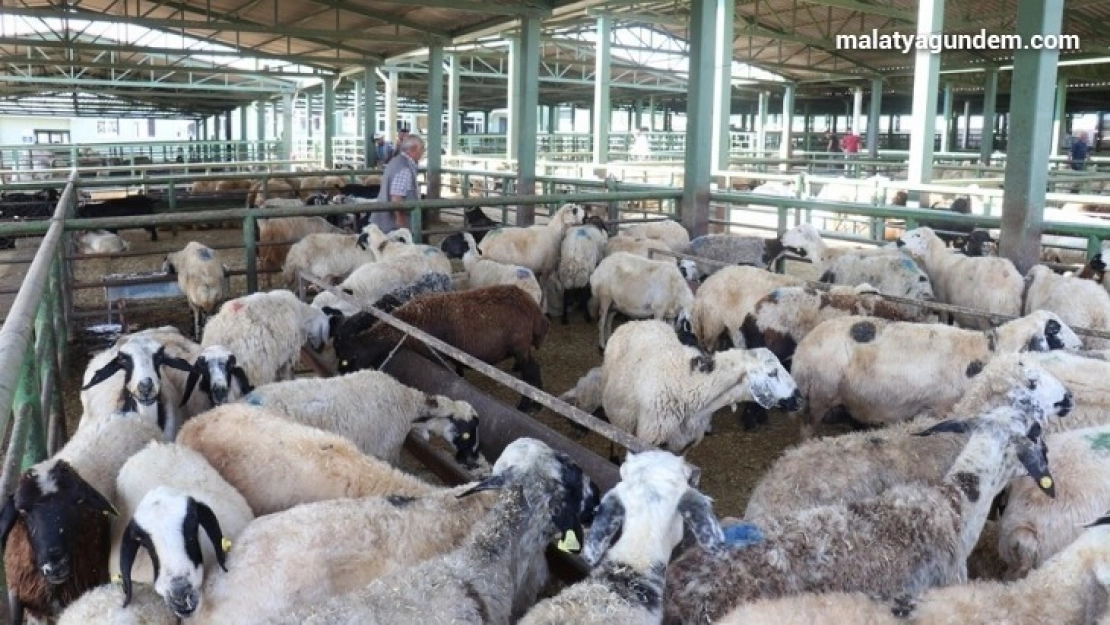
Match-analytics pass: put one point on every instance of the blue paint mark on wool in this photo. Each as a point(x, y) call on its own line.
point(909, 264)
point(204, 253)
point(522, 273)
point(580, 233)
point(742, 534)
point(253, 400)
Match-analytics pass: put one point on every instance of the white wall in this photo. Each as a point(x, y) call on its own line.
point(92, 130)
point(13, 128)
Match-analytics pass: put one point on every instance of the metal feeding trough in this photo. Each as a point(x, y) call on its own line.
point(119, 289)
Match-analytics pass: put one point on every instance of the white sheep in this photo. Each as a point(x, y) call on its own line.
point(1085, 374)
point(535, 247)
point(374, 411)
point(1031, 531)
point(168, 493)
point(985, 283)
point(860, 364)
point(104, 605)
point(200, 276)
point(370, 282)
point(398, 245)
point(276, 236)
point(313, 465)
point(904, 540)
point(326, 299)
point(733, 249)
point(670, 232)
point(647, 508)
point(128, 377)
point(101, 242)
point(725, 300)
point(665, 392)
point(1069, 589)
point(281, 202)
point(265, 331)
point(582, 250)
point(586, 393)
point(1080, 303)
point(483, 272)
point(544, 495)
point(330, 257)
point(632, 245)
point(816, 473)
point(639, 288)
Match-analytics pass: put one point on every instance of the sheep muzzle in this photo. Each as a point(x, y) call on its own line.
point(183, 598)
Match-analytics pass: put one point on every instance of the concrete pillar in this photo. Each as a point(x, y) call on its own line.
point(327, 123)
point(873, 117)
point(761, 123)
point(651, 113)
point(857, 110)
point(930, 19)
point(722, 82)
point(434, 137)
point(1027, 151)
point(602, 112)
point(308, 113)
point(786, 149)
point(948, 131)
point(1058, 129)
point(243, 123)
point(513, 96)
point(528, 71)
point(287, 127)
point(552, 119)
point(990, 99)
point(699, 117)
point(260, 129)
point(966, 141)
point(391, 106)
point(454, 126)
point(369, 116)
point(637, 114)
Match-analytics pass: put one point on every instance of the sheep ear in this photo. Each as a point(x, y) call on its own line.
point(199, 368)
point(133, 538)
point(1103, 520)
point(241, 376)
point(8, 517)
point(957, 427)
point(211, 525)
point(89, 496)
point(167, 266)
point(162, 360)
point(697, 510)
point(607, 522)
point(113, 367)
point(1034, 457)
point(362, 241)
point(493, 482)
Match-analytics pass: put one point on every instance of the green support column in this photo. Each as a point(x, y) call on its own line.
point(454, 124)
point(699, 118)
point(1058, 129)
point(308, 113)
point(926, 75)
point(287, 127)
point(391, 106)
point(514, 87)
point(722, 83)
point(948, 130)
point(528, 70)
point(873, 115)
point(807, 127)
point(857, 110)
point(651, 113)
point(435, 121)
point(369, 116)
point(786, 144)
point(328, 123)
point(637, 114)
point(966, 140)
point(552, 116)
point(1027, 152)
point(761, 127)
point(243, 123)
point(990, 102)
point(260, 129)
point(602, 112)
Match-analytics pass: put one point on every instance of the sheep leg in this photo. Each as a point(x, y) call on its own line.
point(530, 374)
point(753, 415)
point(602, 322)
point(15, 608)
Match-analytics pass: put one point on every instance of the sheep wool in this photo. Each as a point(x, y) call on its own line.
point(103, 605)
point(1080, 303)
point(330, 257)
point(639, 288)
point(535, 247)
point(726, 298)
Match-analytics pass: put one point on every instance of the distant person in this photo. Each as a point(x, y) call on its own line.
point(399, 183)
point(641, 145)
point(832, 143)
point(1079, 151)
point(383, 150)
point(850, 143)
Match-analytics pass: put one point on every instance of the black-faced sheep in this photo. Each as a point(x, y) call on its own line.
point(1080, 303)
point(640, 288)
point(128, 206)
point(491, 324)
point(726, 298)
point(477, 223)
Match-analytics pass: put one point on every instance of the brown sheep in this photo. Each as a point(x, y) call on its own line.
point(491, 324)
point(275, 187)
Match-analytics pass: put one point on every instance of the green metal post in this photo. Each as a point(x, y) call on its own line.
point(699, 116)
point(513, 126)
point(948, 132)
point(990, 99)
point(260, 129)
point(926, 76)
point(329, 123)
point(286, 126)
point(786, 141)
point(435, 121)
point(27, 394)
point(528, 70)
point(454, 123)
point(369, 116)
point(873, 114)
point(602, 111)
point(249, 243)
point(416, 223)
point(1028, 144)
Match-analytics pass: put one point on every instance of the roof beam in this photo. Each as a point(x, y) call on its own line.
point(355, 9)
point(472, 6)
point(753, 27)
point(22, 61)
point(97, 82)
point(865, 7)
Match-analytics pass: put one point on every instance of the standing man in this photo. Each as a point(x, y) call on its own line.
point(399, 183)
point(850, 143)
point(1079, 151)
point(401, 134)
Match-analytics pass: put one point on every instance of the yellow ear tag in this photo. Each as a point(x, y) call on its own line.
point(1046, 482)
point(342, 363)
point(225, 544)
point(117, 579)
point(465, 436)
point(569, 542)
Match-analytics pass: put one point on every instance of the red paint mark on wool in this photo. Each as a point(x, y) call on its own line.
point(235, 306)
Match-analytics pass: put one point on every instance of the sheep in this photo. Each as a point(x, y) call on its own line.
point(104, 605)
point(426, 283)
point(330, 257)
point(101, 242)
point(374, 411)
point(237, 439)
point(283, 202)
point(165, 491)
point(859, 363)
point(128, 376)
point(266, 331)
point(894, 456)
point(586, 393)
point(127, 206)
point(726, 298)
point(275, 187)
point(986, 283)
point(1080, 303)
point(200, 276)
point(670, 232)
point(535, 247)
point(631, 245)
point(492, 324)
point(1069, 589)
point(648, 508)
point(904, 540)
point(582, 250)
point(665, 393)
point(1031, 531)
point(329, 301)
point(978, 243)
point(370, 282)
point(1085, 374)
point(277, 236)
point(543, 495)
point(477, 223)
point(734, 249)
point(1095, 269)
point(55, 527)
point(639, 288)
point(398, 245)
point(482, 272)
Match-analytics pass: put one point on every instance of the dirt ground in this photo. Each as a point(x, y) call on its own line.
point(731, 459)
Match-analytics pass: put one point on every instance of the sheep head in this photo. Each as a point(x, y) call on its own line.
point(167, 524)
point(141, 359)
point(52, 499)
point(456, 422)
point(1039, 331)
point(917, 241)
point(568, 215)
point(803, 240)
point(215, 369)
